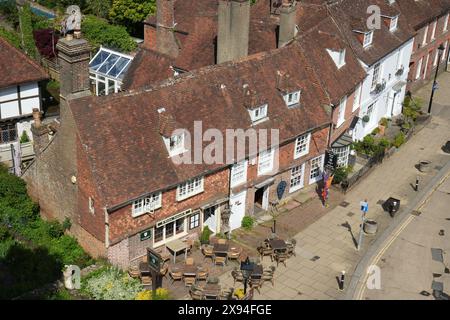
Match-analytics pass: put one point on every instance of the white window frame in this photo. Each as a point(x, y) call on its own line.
point(91, 205)
point(259, 113)
point(194, 221)
point(265, 162)
point(341, 115)
point(393, 24)
point(174, 236)
point(292, 98)
point(297, 180)
point(419, 69)
point(433, 31)
point(357, 97)
point(424, 40)
point(436, 57)
point(376, 75)
point(342, 156)
point(190, 188)
point(445, 50)
point(341, 58)
point(301, 147)
point(238, 173)
point(177, 149)
point(146, 204)
point(368, 39)
point(446, 23)
point(320, 160)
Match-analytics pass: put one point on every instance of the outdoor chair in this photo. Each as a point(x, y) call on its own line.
point(211, 296)
point(219, 260)
point(177, 275)
point(291, 247)
point(227, 294)
point(234, 253)
point(237, 276)
point(265, 250)
point(281, 257)
point(189, 280)
point(256, 283)
point(268, 275)
point(196, 292)
point(163, 271)
point(208, 252)
point(202, 274)
point(189, 261)
point(134, 272)
point(146, 280)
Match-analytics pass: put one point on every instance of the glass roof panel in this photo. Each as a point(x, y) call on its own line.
point(116, 70)
point(112, 59)
point(98, 59)
point(124, 71)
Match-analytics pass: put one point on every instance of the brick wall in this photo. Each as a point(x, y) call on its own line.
point(123, 225)
point(349, 115)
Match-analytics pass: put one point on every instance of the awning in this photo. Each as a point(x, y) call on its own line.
point(354, 122)
point(399, 85)
point(343, 141)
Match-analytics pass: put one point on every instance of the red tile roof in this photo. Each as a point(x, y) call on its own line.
point(121, 132)
point(421, 12)
point(16, 67)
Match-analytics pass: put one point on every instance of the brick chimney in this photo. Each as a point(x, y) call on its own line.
point(39, 132)
point(166, 42)
point(287, 22)
point(233, 30)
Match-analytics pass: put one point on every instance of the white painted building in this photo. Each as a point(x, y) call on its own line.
point(383, 90)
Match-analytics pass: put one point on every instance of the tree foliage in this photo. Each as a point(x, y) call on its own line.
point(9, 10)
point(99, 8)
point(99, 32)
point(26, 26)
point(11, 36)
point(131, 12)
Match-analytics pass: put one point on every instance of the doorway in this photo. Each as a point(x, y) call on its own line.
point(262, 198)
point(210, 218)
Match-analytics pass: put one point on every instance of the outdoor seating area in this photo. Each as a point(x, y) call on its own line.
point(277, 249)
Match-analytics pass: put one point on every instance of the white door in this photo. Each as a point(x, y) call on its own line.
point(237, 206)
point(210, 219)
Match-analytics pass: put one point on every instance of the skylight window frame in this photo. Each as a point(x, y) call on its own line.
point(367, 35)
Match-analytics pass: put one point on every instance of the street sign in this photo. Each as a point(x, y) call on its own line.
point(330, 160)
point(364, 206)
point(147, 234)
point(154, 260)
point(280, 189)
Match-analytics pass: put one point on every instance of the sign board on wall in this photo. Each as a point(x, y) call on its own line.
point(330, 160)
point(145, 235)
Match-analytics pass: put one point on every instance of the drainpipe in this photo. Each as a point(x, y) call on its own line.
point(106, 228)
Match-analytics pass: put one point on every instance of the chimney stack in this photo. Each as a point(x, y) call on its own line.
point(233, 30)
point(287, 22)
point(166, 42)
point(37, 117)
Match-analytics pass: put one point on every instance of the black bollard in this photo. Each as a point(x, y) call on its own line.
point(417, 184)
point(341, 281)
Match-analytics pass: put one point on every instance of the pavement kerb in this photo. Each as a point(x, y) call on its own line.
point(403, 214)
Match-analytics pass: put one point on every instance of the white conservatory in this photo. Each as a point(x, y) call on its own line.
point(107, 70)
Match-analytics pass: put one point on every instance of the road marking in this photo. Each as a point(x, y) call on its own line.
point(394, 236)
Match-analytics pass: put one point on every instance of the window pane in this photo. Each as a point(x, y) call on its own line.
point(179, 225)
point(169, 230)
point(159, 234)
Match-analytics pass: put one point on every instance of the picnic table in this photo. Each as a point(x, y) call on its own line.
point(221, 248)
point(176, 246)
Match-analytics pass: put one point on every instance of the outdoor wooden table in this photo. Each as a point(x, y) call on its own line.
point(176, 246)
point(144, 269)
point(277, 244)
point(257, 271)
point(190, 271)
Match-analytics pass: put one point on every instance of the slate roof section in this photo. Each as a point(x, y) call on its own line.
point(125, 149)
point(345, 12)
point(16, 67)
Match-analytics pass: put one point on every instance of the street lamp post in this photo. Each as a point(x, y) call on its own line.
point(441, 50)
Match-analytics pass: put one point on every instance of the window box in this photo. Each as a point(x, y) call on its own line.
point(400, 71)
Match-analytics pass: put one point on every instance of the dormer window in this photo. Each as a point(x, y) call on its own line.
point(259, 113)
point(393, 24)
point(292, 98)
point(338, 57)
point(175, 144)
point(368, 37)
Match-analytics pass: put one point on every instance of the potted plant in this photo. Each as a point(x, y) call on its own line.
point(206, 233)
point(382, 125)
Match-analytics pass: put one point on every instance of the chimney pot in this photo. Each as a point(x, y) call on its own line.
point(37, 117)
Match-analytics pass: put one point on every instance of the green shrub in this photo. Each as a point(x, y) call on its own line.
point(384, 143)
point(247, 222)
point(341, 174)
point(375, 131)
point(384, 122)
point(399, 140)
point(206, 233)
point(24, 137)
point(67, 224)
point(411, 108)
point(12, 37)
point(4, 232)
point(29, 46)
point(110, 284)
point(99, 32)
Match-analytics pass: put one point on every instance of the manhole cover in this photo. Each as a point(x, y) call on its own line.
point(344, 204)
point(416, 213)
point(315, 258)
point(350, 214)
point(425, 293)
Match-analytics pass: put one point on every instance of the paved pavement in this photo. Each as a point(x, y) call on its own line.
point(331, 237)
point(406, 266)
